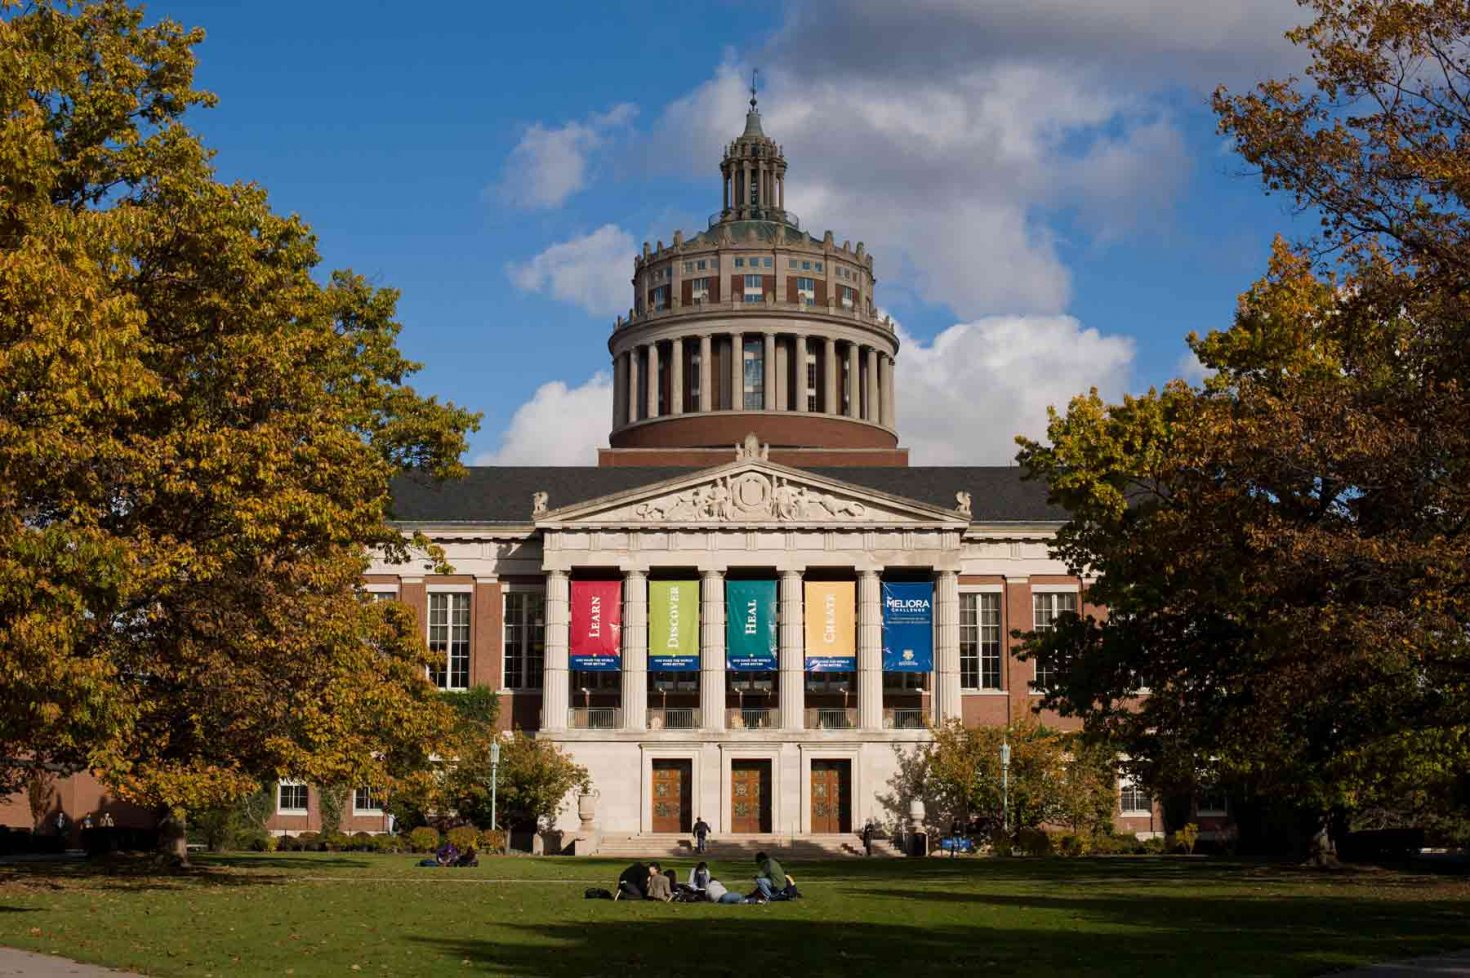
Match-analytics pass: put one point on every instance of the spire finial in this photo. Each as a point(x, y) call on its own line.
point(755, 74)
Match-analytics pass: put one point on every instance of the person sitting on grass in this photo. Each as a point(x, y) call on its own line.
point(716, 892)
point(633, 883)
point(770, 878)
point(699, 877)
point(467, 859)
point(660, 887)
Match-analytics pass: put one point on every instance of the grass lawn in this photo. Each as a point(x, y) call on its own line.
point(348, 913)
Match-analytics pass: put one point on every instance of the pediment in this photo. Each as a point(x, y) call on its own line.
point(751, 492)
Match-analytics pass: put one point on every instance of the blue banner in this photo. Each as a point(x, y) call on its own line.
point(908, 627)
point(750, 626)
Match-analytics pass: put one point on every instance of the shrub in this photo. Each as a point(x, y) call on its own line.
point(1118, 844)
point(1186, 837)
point(1033, 842)
point(463, 837)
point(1154, 846)
point(386, 843)
point(257, 841)
point(309, 841)
point(1000, 842)
point(286, 843)
point(492, 840)
point(336, 841)
point(1073, 844)
point(423, 839)
point(363, 842)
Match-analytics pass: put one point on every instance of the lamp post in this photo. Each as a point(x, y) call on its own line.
point(1005, 787)
point(494, 781)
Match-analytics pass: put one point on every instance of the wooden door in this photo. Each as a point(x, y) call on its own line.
point(672, 795)
point(750, 797)
point(831, 796)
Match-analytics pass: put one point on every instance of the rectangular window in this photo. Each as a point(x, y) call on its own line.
point(806, 291)
point(693, 375)
point(806, 266)
point(699, 264)
point(980, 640)
point(849, 297)
point(791, 263)
point(811, 382)
point(755, 288)
point(1046, 606)
point(661, 297)
point(1132, 799)
point(767, 262)
point(688, 267)
point(449, 638)
point(599, 681)
point(819, 266)
point(699, 290)
point(740, 263)
point(290, 798)
point(365, 802)
point(525, 638)
point(755, 374)
point(829, 682)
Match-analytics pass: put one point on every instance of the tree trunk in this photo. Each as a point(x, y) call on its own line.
point(173, 843)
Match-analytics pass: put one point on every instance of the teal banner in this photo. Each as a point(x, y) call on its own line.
point(750, 626)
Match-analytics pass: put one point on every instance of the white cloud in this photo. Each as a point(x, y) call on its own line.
point(964, 397)
point(559, 425)
point(1189, 368)
point(591, 271)
point(548, 165)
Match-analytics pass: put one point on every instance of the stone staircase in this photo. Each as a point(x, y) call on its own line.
point(732, 848)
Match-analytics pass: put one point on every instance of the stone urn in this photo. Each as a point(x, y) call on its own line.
point(916, 815)
point(587, 809)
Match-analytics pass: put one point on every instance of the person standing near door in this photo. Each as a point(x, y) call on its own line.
point(868, 837)
point(701, 833)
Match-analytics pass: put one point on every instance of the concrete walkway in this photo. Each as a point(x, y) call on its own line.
point(1456, 965)
point(14, 963)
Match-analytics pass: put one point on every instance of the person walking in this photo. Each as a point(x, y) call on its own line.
point(868, 838)
point(701, 834)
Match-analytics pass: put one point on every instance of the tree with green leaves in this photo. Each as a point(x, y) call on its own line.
point(1284, 552)
point(536, 776)
point(197, 436)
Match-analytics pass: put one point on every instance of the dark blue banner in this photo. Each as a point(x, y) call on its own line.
point(908, 627)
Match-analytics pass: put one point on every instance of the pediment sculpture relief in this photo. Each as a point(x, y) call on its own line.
point(751, 496)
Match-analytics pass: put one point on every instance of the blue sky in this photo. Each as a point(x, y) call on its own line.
point(1041, 182)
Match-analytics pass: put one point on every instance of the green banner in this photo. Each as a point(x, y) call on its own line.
point(673, 626)
point(750, 626)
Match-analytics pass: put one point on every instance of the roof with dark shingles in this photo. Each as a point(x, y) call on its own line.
point(502, 494)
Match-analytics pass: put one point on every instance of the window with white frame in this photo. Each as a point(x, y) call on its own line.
point(365, 801)
point(806, 291)
point(755, 373)
point(755, 288)
point(980, 640)
point(699, 290)
point(740, 263)
point(1046, 606)
point(291, 798)
point(847, 296)
point(660, 297)
point(811, 382)
point(693, 374)
point(525, 638)
point(449, 638)
point(1132, 798)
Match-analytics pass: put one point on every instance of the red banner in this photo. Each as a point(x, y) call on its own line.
point(597, 625)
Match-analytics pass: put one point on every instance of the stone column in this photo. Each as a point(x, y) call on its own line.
point(791, 657)
point(829, 377)
point(783, 373)
point(737, 375)
point(854, 375)
point(632, 384)
point(653, 380)
point(798, 370)
point(947, 647)
point(768, 371)
point(875, 412)
point(706, 373)
point(635, 650)
point(555, 682)
point(620, 388)
point(870, 651)
point(712, 650)
point(676, 376)
point(885, 389)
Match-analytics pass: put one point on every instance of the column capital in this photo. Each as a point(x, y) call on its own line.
point(867, 572)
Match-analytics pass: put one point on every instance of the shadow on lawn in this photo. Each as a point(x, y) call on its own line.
point(128, 873)
point(747, 940)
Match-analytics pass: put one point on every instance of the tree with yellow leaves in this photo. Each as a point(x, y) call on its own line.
point(1285, 552)
point(196, 443)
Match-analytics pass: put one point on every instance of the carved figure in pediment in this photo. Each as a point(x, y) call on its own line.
point(649, 511)
point(692, 505)
point(789, 500)
point(538, 503)
point(962, 503)
point(718, 505)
